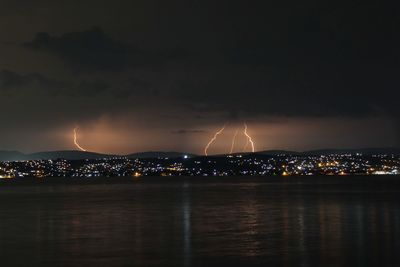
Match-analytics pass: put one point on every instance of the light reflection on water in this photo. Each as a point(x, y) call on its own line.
point(209, 222)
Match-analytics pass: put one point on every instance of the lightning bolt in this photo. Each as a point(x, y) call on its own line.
point(249, 139)
point(76, 141)
point(213, 139)
point(233, 141)
point(247, 143)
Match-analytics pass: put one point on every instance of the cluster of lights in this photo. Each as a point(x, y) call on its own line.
point(230, 165)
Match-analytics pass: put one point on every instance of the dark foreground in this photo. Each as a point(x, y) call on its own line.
point(319, 221)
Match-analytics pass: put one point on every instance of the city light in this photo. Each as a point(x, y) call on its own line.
point(224, 165)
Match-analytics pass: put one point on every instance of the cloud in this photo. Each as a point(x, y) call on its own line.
point(188, 131)
point(85, 50)
point(14, 83)
point(34, 85)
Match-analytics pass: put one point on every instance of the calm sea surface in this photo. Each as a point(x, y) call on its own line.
point(319, 221)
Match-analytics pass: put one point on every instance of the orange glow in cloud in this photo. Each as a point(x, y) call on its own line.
point(233, 141)
point(249, 139)
point(76, 141)
point(213, 139)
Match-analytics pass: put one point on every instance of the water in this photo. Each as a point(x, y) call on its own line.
point(320, 221)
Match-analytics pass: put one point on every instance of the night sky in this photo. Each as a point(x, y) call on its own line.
point(166, 75)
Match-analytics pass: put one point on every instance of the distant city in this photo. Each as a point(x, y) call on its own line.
point(251, 164)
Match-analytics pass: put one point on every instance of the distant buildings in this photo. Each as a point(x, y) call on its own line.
point(230, 165)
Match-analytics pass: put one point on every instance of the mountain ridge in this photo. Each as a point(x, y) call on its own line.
point(12, 155)
point(8, 155)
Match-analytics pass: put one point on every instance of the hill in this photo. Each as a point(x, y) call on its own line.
point(79, 155)
point(11, 155)
point(364, 151)
point(67, 154)
point(158, 154)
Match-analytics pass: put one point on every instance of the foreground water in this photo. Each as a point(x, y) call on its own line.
point(319, 221)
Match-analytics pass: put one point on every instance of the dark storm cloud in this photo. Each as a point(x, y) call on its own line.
point(91, 88)
point(90, 49)
point(308, 59)
point(305, 59)
point(208, 60)
point(15, 84)
point(135, 88)
point(188, 131)
point(255, 93)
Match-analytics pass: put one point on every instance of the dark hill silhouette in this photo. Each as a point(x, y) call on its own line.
point(11, 155)
point(159, 154)
point(68, 154)
point(79, 155)
point(365, 151)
